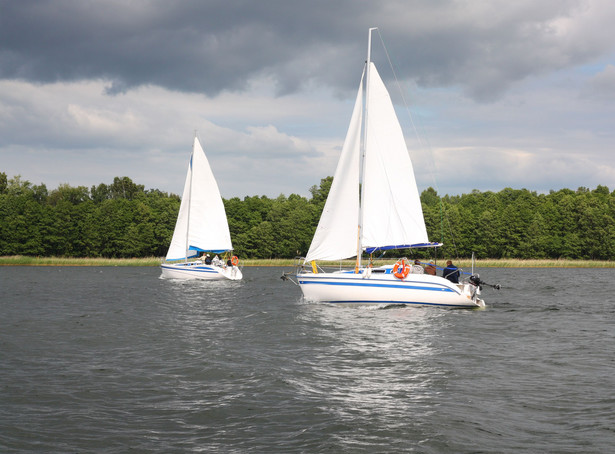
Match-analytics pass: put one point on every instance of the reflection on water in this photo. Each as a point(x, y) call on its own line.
point(116, 359)
point(380, 361)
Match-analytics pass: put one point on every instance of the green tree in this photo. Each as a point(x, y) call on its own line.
point(124, 188)
point(320, 193)
point(3, 183)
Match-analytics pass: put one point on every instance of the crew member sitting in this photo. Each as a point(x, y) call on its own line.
point(417, 268)
point(451, 272)
point(430, 268)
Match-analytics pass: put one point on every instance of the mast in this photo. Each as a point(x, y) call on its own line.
point(362, 158)
point(190, 197)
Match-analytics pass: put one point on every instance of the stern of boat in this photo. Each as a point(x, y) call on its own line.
point(233, 273)
point(472, 292)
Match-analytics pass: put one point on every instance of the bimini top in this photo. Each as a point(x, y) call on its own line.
point(371, 250)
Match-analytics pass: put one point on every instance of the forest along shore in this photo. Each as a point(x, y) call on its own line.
point(18, 260)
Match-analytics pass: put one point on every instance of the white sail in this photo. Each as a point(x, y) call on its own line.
point(336, 235)
point(392, 212)
point(201, 222)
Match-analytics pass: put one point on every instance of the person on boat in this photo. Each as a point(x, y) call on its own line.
point(430, 268)
point(207, 259)
point(417, 268)
point(216, 261)
point(451, 272)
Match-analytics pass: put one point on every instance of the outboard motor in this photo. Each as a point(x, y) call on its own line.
point(475, 280)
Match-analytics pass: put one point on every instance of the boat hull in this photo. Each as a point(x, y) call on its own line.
point(199, 271)
point(372, 288)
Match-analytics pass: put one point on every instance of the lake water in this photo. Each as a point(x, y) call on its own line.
point(116, 360)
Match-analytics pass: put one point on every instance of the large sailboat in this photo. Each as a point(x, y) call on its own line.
point(201, 228)
point(374, 205)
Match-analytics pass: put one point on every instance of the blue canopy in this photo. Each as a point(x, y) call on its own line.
point(371, 250)
point(215, 251)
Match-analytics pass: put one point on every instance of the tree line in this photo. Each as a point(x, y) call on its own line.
point(123, 220)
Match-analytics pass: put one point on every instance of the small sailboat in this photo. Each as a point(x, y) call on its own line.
point(374, 205)
point(201, 228)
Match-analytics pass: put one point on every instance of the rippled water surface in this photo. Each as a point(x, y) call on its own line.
point(116, 360)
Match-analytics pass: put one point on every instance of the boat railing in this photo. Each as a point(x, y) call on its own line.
point(299, 263)
point(301, 266)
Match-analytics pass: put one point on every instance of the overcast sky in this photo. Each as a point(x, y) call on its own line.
point(503, 94)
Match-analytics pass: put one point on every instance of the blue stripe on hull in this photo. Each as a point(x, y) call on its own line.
point(407, 303)
point(191, 268)
point(373, 285)
point(401, 287)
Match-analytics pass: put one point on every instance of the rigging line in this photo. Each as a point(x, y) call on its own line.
point(426, 149)
point(404, 101)
point(424, 145)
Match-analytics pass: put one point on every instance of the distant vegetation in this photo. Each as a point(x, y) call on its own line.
point(124, 220)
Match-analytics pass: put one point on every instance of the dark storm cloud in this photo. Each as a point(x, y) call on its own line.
point(182, 45)
point(213, 46)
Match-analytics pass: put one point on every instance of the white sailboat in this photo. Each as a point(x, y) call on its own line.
point(374, 205)
point(201, 227)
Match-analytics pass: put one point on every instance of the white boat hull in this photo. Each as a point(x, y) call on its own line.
point(383, 288)
point(196, 270)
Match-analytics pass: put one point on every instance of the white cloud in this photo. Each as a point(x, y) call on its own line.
point(508, 93)
point(83, 137)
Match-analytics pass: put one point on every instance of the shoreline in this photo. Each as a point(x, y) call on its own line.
point(156, 261)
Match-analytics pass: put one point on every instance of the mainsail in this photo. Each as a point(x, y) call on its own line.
point(201, 222)
point(391, 212)
point(336, 235)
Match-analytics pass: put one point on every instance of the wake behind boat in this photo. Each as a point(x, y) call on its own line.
point(374, 206)
point(201, 228)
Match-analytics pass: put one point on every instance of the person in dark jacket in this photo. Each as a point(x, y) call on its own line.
point(451, 272)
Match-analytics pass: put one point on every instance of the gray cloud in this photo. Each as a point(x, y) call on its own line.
point(511, 93)
point(213, 46)
point(602, 85)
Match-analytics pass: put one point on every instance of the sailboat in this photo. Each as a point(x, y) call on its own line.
point(201, 228)
point(374, 206)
